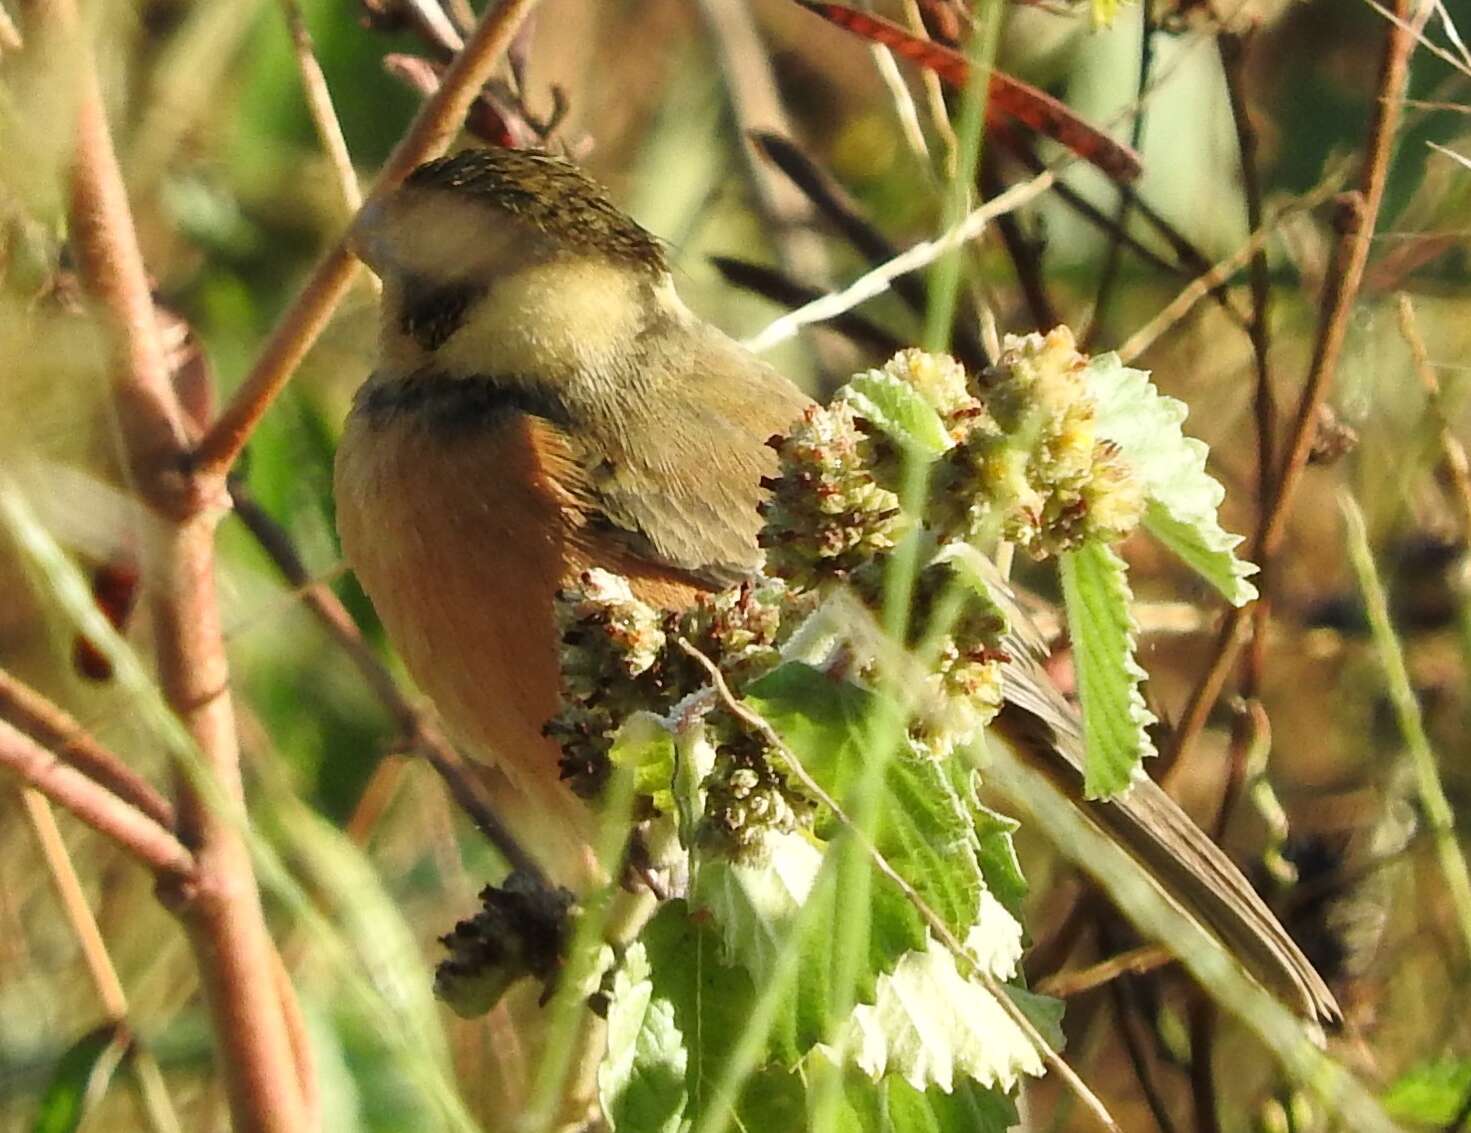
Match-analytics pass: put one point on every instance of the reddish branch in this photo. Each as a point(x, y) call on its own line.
point(52, 728)
point(429, 134)
point(137, 833)
point(221, 909)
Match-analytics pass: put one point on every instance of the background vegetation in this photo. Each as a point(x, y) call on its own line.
point(234, 200)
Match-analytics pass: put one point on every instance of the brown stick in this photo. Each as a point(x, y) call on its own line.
point(221, 908)
point(51, 727)
point(429, 134)
point(98, 807)
point(1357, 222)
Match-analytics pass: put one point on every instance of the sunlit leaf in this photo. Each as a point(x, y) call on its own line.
point(932, 1024)
point(641, 1081)
point(1095, 588)
point(1183, 497)
point(898, 409)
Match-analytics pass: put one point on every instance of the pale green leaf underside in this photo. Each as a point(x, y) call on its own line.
point(897, 408)
point(1115, 721)
point(1183, 497)
point(641, 1080)
point(933, 1026)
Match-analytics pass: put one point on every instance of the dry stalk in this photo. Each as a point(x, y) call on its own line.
point(1357, 220)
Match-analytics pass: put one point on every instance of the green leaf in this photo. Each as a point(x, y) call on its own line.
point(1000, 866)
point(1183, 497)
point(1430, 1093)
point(80, 1079)
point(756, 908)
point(641, 1081)
point(708, 1004)
point(934, 1025)
point(1095, 588)
point(892, 1105)
point(645, 746)
point(897, 408)
point(923, 828)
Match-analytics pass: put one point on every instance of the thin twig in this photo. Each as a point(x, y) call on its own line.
point(1136, 962)
point(51, 727)
point(1202, 1014)
point(429, 134)
point(829, 198)
point(95, 805)
point(74, 903)
point(1128, 1012)
point(1104, 223)
point(1024, 252)
point(99, 963)
point(1360, 215)
point(1342, 286)
point(773, 284)
point(904, 108)
point(936, 925)
point(1452, 452)
point(879, 280)
point(1197, 289)
point(319, 106)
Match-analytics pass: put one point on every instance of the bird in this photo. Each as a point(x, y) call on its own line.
point(545, 404)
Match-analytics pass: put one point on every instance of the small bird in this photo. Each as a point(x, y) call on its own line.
point(545, 404)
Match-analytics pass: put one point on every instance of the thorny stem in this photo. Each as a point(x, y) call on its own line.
point(1359, 217)
point(429, 134)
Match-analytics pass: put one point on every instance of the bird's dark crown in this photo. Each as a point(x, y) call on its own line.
point(550, 195)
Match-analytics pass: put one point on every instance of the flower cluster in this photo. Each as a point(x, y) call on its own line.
point(1011, 454)
point(827, 513)
point(621, 656)
point(746, 797)
point(611, 646)
point(1025, 464)
point(522, 929)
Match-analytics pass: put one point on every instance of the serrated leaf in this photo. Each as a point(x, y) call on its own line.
point(756, 907)
point(932, 1025)
point(1430, 1093)
point(1183, 497)
point(1095, 589)
point(81, 1077)
point(645, 746)
point(923, 827)
point(709, 1004)
point(894, 1106)
point(641, 1080)
point(896, 407)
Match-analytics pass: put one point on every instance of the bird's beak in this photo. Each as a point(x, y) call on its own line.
point(365, 236)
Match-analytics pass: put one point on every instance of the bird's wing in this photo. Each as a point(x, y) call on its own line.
point(682, 489)
point(1191, 867)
